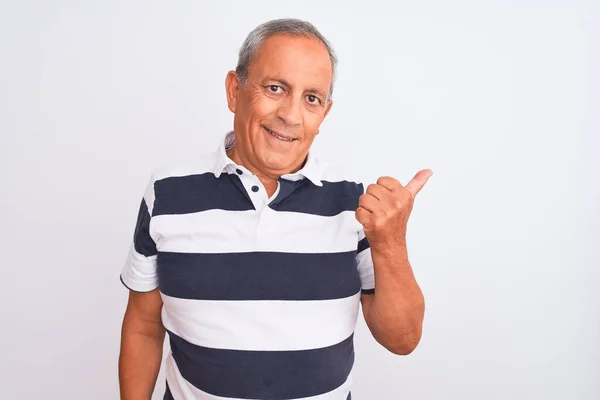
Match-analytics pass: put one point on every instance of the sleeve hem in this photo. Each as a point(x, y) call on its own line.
point(367, 291)
point(142, 289)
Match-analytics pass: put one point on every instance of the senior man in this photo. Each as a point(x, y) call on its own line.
point(255, 258)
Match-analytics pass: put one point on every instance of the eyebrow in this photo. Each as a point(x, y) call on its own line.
point(286, 83)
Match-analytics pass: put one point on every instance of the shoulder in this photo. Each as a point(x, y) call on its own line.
point(342, 176)
point(203, 164)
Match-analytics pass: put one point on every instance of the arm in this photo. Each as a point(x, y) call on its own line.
point(395, 312)
point(142, 340)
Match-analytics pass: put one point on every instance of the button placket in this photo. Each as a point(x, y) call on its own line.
point(255, 190)
point(264, 221)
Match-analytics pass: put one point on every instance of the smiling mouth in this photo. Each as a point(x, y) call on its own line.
point(285, 139)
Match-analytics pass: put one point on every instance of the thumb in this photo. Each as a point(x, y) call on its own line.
point(418, 181)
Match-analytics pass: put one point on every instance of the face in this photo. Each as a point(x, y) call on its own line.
point(280, 107)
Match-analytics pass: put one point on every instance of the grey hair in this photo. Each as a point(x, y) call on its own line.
point(283, 26)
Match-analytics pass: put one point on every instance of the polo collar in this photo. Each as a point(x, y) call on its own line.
point(311, 170)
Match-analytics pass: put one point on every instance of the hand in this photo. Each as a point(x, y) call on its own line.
point(383, 210)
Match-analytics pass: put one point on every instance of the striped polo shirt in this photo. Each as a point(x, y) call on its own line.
point(260, 294)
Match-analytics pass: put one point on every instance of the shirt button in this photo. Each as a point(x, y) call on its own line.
point(239, 171)
point(255, 188)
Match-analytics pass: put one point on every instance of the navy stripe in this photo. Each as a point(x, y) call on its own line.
point(142, 241)
point(267, 375)
point(368, 291)
point(329, 200)
point(194, 193)
point(363, 244)
point(258, 275)
point(168, 394)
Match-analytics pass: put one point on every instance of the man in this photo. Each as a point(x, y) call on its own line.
point(258, 254)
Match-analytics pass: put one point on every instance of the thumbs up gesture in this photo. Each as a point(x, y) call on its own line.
point(384, 208)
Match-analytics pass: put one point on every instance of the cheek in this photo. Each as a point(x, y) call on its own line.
point(261, 106)
point(312, 121)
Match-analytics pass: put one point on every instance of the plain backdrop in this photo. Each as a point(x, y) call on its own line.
point(499, 98)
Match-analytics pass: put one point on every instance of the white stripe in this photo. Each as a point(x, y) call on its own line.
point(336, 173)
point(149, 196)
point(206, 163)
point(139, 272)
point(261, 325)
point(183, 390)
point(220, 231)
point(364, 263)
point(200, 165)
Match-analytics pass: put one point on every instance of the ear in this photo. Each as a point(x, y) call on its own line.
point(328, 108)
point(231, 89)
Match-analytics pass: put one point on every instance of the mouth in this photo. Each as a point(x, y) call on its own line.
point(279, 136)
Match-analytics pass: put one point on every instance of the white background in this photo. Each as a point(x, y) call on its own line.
point(497, 97)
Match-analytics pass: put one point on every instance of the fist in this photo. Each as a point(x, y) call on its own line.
point(384, 208)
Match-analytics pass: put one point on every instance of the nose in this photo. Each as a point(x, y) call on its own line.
point(290, 110)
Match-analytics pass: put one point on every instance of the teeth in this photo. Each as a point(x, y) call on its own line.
point(278, 137)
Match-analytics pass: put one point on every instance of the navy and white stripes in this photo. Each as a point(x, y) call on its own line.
point(260, 295)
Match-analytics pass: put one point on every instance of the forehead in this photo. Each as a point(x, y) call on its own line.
point(297, 59)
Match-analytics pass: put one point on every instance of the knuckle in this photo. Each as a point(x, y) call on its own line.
point(377, 225)
point(382, 180)
point(371, 188)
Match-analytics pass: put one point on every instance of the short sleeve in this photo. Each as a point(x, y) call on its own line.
point(364, 262)
point(139, 272)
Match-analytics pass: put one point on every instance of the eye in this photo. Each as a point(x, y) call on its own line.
point(312, 99)
point(274, 88)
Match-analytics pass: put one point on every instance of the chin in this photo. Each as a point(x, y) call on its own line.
point(278, 163)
